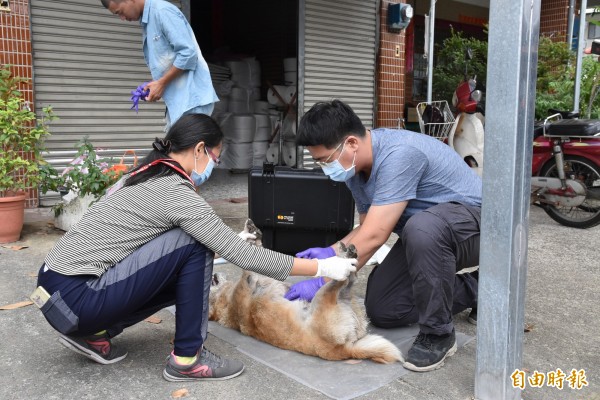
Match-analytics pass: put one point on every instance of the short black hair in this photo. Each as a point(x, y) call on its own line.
point(327, 123)
point(106, 3)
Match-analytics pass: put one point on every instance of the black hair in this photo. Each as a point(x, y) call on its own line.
point(327, 123)
point(106, 3)
point(186, 133)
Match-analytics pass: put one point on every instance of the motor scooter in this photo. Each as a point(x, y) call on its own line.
point(566, 169)
point(467, 138)
point(566, 156)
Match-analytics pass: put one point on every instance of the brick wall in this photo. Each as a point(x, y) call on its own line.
point(390, 73)
point(553, 19)
point(15, 49)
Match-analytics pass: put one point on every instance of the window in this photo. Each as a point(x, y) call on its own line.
point(593, 31)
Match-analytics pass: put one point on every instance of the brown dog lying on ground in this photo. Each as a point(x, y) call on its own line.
point(333, 326)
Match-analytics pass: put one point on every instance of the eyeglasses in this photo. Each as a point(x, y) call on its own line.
point(324, 163)
point(216, 159)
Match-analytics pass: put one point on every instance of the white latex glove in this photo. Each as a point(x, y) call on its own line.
point(247, 237)
point(336, 268)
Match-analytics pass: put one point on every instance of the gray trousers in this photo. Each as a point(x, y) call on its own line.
point(417, 281)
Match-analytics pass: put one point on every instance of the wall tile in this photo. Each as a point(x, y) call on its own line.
point(15, 49)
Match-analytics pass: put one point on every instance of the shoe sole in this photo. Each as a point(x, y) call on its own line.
point(69, 344)
point(172, 378)
point(431, 367)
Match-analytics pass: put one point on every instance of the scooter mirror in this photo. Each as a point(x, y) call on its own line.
point(468, 53)
point(476, 95)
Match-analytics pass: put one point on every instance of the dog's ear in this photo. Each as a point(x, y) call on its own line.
point(342, 248)
point(218, 279)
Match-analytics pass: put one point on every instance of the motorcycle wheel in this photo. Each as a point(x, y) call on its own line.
point(587, 214)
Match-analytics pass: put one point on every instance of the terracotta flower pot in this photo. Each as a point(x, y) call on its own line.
point(12, 212)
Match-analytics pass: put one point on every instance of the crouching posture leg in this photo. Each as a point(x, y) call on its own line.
point(418, 281)
point(168, 270)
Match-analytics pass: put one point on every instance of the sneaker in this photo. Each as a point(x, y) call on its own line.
point(428, 352)
point(472, 318)
point(208, 366)
point(97, 348)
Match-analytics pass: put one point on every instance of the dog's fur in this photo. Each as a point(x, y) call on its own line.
point(333, 326)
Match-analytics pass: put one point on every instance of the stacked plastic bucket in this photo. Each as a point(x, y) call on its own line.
point(247, 121)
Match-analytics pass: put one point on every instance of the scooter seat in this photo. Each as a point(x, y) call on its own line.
point(574, 128)
point(564, 114)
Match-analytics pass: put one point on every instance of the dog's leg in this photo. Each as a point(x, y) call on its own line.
point(330, 319)
point(346, 290)
point(327, 295)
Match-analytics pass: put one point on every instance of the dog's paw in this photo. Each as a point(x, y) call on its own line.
point(250, 227)
point(347, 252)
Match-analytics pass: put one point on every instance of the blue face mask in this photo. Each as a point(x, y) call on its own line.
point(336, 171)
point(198, 178)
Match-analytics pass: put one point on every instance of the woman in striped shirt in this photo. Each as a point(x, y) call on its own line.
point(150, 243)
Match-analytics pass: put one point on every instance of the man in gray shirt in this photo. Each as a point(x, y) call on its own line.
point(418, 187)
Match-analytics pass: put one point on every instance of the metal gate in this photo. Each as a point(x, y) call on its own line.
point(86, 62)
point(337, 54)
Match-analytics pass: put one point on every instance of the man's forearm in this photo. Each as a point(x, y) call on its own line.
point(171, 74)
point(157, 87)
point(348, 238)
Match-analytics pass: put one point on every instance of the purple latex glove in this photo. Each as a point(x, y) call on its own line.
point(139, 94)
point(305, 290)
point(317, 252)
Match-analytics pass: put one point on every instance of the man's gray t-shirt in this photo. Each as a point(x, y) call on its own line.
point(413, 167)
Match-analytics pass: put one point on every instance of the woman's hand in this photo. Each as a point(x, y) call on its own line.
point(336, 268)
point(247, 237)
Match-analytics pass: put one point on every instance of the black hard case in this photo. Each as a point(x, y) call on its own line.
point(297, 208)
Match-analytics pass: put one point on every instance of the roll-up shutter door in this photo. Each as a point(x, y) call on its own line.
point(86, 62)
point(337, 55)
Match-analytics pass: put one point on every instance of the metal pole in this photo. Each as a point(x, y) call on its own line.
point(512, 60)
point(570, 22)
point(301, 72)
point(580, 48)
point(430, 55)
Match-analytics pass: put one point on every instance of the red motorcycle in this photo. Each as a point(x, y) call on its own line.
point(566, 152)
point(566, 169)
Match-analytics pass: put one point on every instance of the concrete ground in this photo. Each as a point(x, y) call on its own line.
point(563, 297)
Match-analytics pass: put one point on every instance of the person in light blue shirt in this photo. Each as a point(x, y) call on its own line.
point(418, 187)
point(180, 74)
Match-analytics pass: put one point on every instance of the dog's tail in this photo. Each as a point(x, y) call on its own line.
point(376, 348)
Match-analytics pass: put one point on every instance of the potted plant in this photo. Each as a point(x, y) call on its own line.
point(21, 143)
point(84, 181)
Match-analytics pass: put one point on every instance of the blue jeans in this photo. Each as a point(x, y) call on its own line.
point(173, 268)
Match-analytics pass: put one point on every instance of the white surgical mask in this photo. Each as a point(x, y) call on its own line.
point(200, 178)
point(336, 171)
